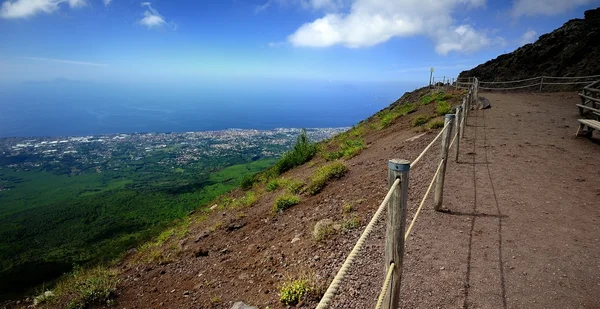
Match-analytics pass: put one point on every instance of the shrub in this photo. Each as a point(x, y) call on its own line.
point(420, 120)
point(324, 174)
point(273, 185)
point(292, 185)
point(426, 99)
point(246, 201)
point(323, 229)
point(248, 182)
point(436, 124)
point(84, 288)
point(352, 147)
point(302, 152)
point(292, 292)
point(284, 202)
point(332, 155)
point(388, 116)
point(443, 108)
point(351, 223)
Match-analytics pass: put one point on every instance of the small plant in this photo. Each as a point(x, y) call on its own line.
point(348, 207)
point(351, 223)
point(303, 151)
point(324, 174)
point(284, 202)
point(84, 288)
point(246, 201)
point(292, 292)
point(426, 99)
point(388, 116)
point(443, 108)
point(215, 300)
point(436, 124)
point(293, 186)
point(216, 226)
point(420, 120)
point(273, 185)
point(323, 229)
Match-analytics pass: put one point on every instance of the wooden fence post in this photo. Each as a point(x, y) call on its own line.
point(459, 115)
point(465, 115)
point(396, 222)
point(541, 83)
point(439, 184)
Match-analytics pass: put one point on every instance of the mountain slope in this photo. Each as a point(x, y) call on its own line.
point(571, 50)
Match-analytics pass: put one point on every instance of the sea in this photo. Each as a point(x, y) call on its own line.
point(78, 108)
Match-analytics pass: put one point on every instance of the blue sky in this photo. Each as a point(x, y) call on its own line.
point(344, 40)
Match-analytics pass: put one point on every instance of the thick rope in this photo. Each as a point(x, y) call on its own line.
point(333, 287)
point(423, 201)
point(413, 163)
point(386, 284)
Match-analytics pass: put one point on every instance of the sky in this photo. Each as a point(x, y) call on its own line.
point(171, 41)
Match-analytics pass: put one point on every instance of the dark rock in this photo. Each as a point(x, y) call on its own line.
point(235, 226)
point(201, 252)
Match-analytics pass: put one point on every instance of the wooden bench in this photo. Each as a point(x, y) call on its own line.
point(587, 127)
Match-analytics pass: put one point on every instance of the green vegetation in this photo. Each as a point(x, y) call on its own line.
point(285, 201)
point(292, 292)
point(420, 120)
point(245, 201)
point(83, 288)
point(273, 185)
point(293, 186)
point(49, 222)
point(388, 116)
point(323, 229)
point(324, 174)
point(351, 223)
point(443, 108)
point(436, 124)
point(303, 151)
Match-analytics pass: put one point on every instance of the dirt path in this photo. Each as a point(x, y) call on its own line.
point(524, 232)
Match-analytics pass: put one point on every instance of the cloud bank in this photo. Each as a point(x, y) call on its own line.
point(26, 8)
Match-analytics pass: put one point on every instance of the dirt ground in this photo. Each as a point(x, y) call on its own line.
point(523, 231)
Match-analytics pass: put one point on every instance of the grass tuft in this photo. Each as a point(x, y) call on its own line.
point(436, 124)
point(324, 174)
point(443, 108)
point(285, 201)
point(291, 292)
point(84, 288)
point(420, 120)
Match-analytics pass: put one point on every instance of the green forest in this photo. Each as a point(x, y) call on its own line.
point(52, 220)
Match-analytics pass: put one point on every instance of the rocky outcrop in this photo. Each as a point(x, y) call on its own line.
point(571, 50)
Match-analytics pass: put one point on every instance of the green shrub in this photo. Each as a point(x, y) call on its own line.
point(436, 124)
point(351, 223)
point(324, 174)
point(246, 201)
point(273, 185)
point(426, 99)
point(285, 201)
point(292, 292)
point(388, 116)
point(84, 288)
point(443, 108)
point(248, 182)
point(294, 186)
point(332, 155)
point(420, 120)
point(302, 152)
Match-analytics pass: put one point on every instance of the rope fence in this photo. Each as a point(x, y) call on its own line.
point(538, 81)
point(395, 202)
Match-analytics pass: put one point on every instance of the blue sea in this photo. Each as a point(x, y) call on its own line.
point(72, 108)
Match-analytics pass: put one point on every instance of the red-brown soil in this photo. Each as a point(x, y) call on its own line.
point(523, 231)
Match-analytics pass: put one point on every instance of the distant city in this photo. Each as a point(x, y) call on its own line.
point(78, 154)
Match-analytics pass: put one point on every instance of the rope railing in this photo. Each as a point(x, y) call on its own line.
point(396, 203)
point(540, 81)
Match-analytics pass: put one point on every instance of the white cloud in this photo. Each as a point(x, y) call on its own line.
point(276, 44)
point(107, 2)
point(544, 7)
point(262, 7)
point(27, 8)
point(528, 37)
point(65, 61)
point(151, 17)
point(370, 22)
